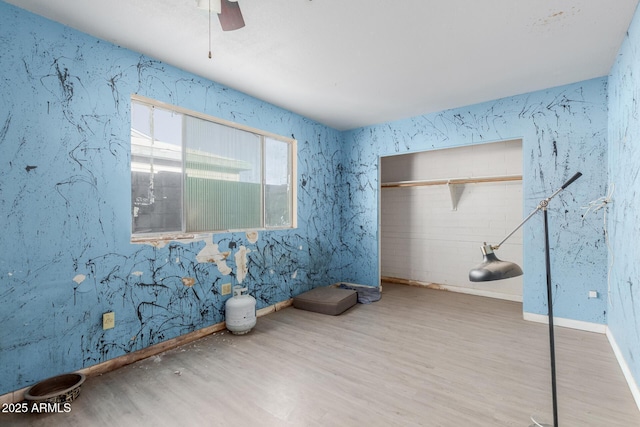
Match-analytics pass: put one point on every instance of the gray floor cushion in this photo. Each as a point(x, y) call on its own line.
point(326, 300)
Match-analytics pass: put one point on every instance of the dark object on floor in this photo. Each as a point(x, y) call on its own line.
point(326, 300)
point(60, 389)
point(366, 294)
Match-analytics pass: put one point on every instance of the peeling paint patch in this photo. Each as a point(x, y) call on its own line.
point(79, 278)
point(188, 281)
point(252, 236)
point(210, 253)
point(136, 274)
point(241, 263)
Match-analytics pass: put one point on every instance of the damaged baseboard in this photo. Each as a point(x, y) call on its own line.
point(129, 358)
point(450, 288)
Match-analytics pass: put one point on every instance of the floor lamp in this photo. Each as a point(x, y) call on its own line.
point(492, 268)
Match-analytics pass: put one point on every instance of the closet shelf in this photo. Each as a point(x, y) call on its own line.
point(451, 183)
point(471, 180)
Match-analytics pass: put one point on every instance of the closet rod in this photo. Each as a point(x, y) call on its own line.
point(501, 178)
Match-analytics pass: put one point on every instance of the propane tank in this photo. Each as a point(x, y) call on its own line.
point(240, 311)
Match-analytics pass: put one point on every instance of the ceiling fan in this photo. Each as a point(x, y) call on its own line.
point(228, 12)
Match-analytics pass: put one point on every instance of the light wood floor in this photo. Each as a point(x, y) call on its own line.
point(416, 357)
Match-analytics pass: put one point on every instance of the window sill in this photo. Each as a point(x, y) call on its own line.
point(163, 239)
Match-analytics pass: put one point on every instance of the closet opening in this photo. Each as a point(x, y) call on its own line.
point(437, 208)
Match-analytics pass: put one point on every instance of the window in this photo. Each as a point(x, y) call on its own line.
point(192, 173)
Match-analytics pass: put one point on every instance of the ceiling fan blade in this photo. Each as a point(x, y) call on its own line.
point(230, 16)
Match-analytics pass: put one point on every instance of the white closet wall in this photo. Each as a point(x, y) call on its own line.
point(424, 239)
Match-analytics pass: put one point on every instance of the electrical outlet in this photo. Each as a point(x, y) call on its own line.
point(108, 320)
point(226, 288)
point(593, 294)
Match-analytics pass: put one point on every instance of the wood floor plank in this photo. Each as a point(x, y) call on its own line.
point(417, 357)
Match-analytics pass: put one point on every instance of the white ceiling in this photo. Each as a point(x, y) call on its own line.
point(351, 63)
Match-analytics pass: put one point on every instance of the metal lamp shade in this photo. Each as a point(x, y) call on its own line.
point(493, 268)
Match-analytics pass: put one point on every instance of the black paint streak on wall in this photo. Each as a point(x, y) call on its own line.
point(162, 306)
point(5, 128)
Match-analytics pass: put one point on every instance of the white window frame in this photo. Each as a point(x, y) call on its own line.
point(168, 236)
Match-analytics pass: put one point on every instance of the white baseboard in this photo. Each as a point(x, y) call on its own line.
point(541, 318)
point(566, 323)
point(601, 329)
point(633, 386)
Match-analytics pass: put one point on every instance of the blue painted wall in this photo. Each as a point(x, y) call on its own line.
point(564, 130)
point(65, 206)
point(65, 182)
point(624, 212)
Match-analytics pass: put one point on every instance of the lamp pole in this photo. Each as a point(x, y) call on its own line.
point(552, 344)
point(494, 269)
